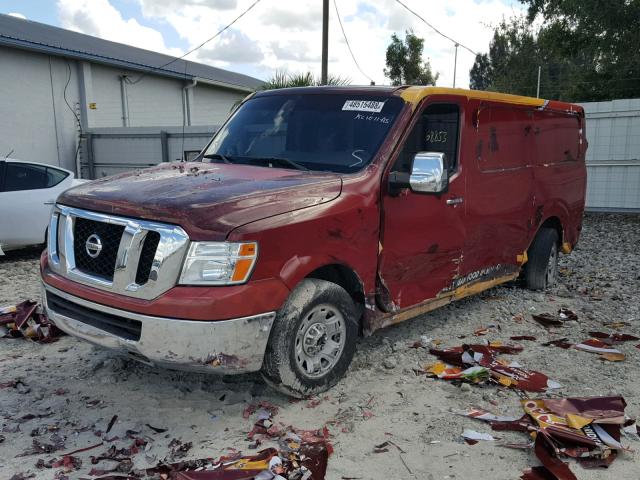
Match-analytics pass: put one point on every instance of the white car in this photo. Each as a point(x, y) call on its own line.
point(28, 191)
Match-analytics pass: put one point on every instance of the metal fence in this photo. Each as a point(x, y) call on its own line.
point(613, 157)
point(107, 151)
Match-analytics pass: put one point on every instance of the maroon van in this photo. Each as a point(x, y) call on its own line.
point(313, 216)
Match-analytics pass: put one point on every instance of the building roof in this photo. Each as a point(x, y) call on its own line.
point(39, 37)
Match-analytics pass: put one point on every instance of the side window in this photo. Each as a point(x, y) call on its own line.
point(441, 123)
point(24, 176)
point(55, 176)
point(436, 131)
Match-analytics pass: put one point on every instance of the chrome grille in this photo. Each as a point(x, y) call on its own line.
point(147, 254)
point(138, 258)
point(109, 234)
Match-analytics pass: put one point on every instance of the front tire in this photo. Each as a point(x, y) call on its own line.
point(313, 339)
point(541, 269)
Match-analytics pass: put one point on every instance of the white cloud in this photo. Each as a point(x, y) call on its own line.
point(17, 15)
point(286, 34)
point(233, 47)
point(101, 19)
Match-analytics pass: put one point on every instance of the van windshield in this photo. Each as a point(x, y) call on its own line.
point(329, 132)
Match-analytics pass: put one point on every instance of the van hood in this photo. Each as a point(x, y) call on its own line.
point(207, 200)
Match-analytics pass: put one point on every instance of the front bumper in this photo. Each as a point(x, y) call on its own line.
point(223, 346)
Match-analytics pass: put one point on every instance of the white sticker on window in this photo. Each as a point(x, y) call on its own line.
point(363, 106)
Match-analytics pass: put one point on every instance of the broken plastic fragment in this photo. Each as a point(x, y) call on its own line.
point(486, 416)
point(594, 345)
point(547, 320)
point(471, 436)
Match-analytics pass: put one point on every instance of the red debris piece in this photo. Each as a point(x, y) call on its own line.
point(545, 452)
point(614, 338)
point(523, 337)
point(26, 320)
point(468, 356)
point(561, 342)
point(566, 314)
point(547, 320)
point(252, 408)
point(80, 450)
point(313, 403)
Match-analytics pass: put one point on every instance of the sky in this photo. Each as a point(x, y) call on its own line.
point(284, 34)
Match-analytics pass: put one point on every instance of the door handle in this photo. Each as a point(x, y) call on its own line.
point(455, 201)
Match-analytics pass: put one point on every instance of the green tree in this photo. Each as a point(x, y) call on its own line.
point(404, 62)
point(283, 79)
point(481, 73)
point(588, 50)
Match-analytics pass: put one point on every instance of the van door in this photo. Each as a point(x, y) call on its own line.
point(422, 234)
point(500, 213)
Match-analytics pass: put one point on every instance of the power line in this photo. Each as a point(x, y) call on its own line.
point(133, 82)
point(349, 46)
point(435, 29)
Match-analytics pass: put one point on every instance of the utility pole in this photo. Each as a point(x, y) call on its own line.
point(325, 40)
point(538, 90)
point(455, 65)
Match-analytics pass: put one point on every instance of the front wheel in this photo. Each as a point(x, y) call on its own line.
point(541, 269)
point(313, 339)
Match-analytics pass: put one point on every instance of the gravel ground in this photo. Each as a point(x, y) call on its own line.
point(380, 398)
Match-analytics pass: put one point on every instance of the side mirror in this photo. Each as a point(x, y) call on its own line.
point(429, 174)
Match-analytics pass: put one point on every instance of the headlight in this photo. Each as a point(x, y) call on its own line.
point(218, 263)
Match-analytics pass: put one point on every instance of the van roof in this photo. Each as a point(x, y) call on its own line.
point(415, 94)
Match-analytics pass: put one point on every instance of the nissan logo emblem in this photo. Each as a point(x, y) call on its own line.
point(93, 245)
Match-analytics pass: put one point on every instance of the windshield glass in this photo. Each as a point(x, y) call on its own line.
point(326, 132)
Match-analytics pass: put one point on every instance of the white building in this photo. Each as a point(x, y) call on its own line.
point(55, 84)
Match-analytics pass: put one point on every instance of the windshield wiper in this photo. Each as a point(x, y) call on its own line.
point(217, 156)
point(281, 161)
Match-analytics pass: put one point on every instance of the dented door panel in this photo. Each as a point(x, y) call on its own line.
point(500, 187)
point(422, 236)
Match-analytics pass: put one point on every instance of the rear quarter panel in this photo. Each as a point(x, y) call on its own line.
point(560, 176)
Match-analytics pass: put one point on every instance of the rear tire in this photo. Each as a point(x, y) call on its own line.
point(541, 269)
point(312, 341)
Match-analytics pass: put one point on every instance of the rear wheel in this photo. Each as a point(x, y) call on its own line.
point(313, 339)
point(541, 269)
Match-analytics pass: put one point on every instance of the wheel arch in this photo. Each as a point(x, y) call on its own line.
point(555, 223)
point(346, 278)
point(342, 275)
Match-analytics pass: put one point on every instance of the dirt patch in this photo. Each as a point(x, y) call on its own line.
point(69, 389)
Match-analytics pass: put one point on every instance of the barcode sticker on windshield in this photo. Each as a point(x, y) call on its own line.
point(363, 106)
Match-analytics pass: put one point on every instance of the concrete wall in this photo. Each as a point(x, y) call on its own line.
point(613, 157)
point(35, 121)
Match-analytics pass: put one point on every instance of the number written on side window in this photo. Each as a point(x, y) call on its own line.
point(436, 136)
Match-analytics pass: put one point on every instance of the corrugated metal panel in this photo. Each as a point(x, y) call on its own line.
point(116, 150)
point(613, 157)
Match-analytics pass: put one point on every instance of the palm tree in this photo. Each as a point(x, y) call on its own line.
point(283, 79)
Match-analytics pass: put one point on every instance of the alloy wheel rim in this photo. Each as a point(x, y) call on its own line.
point(320, 341)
